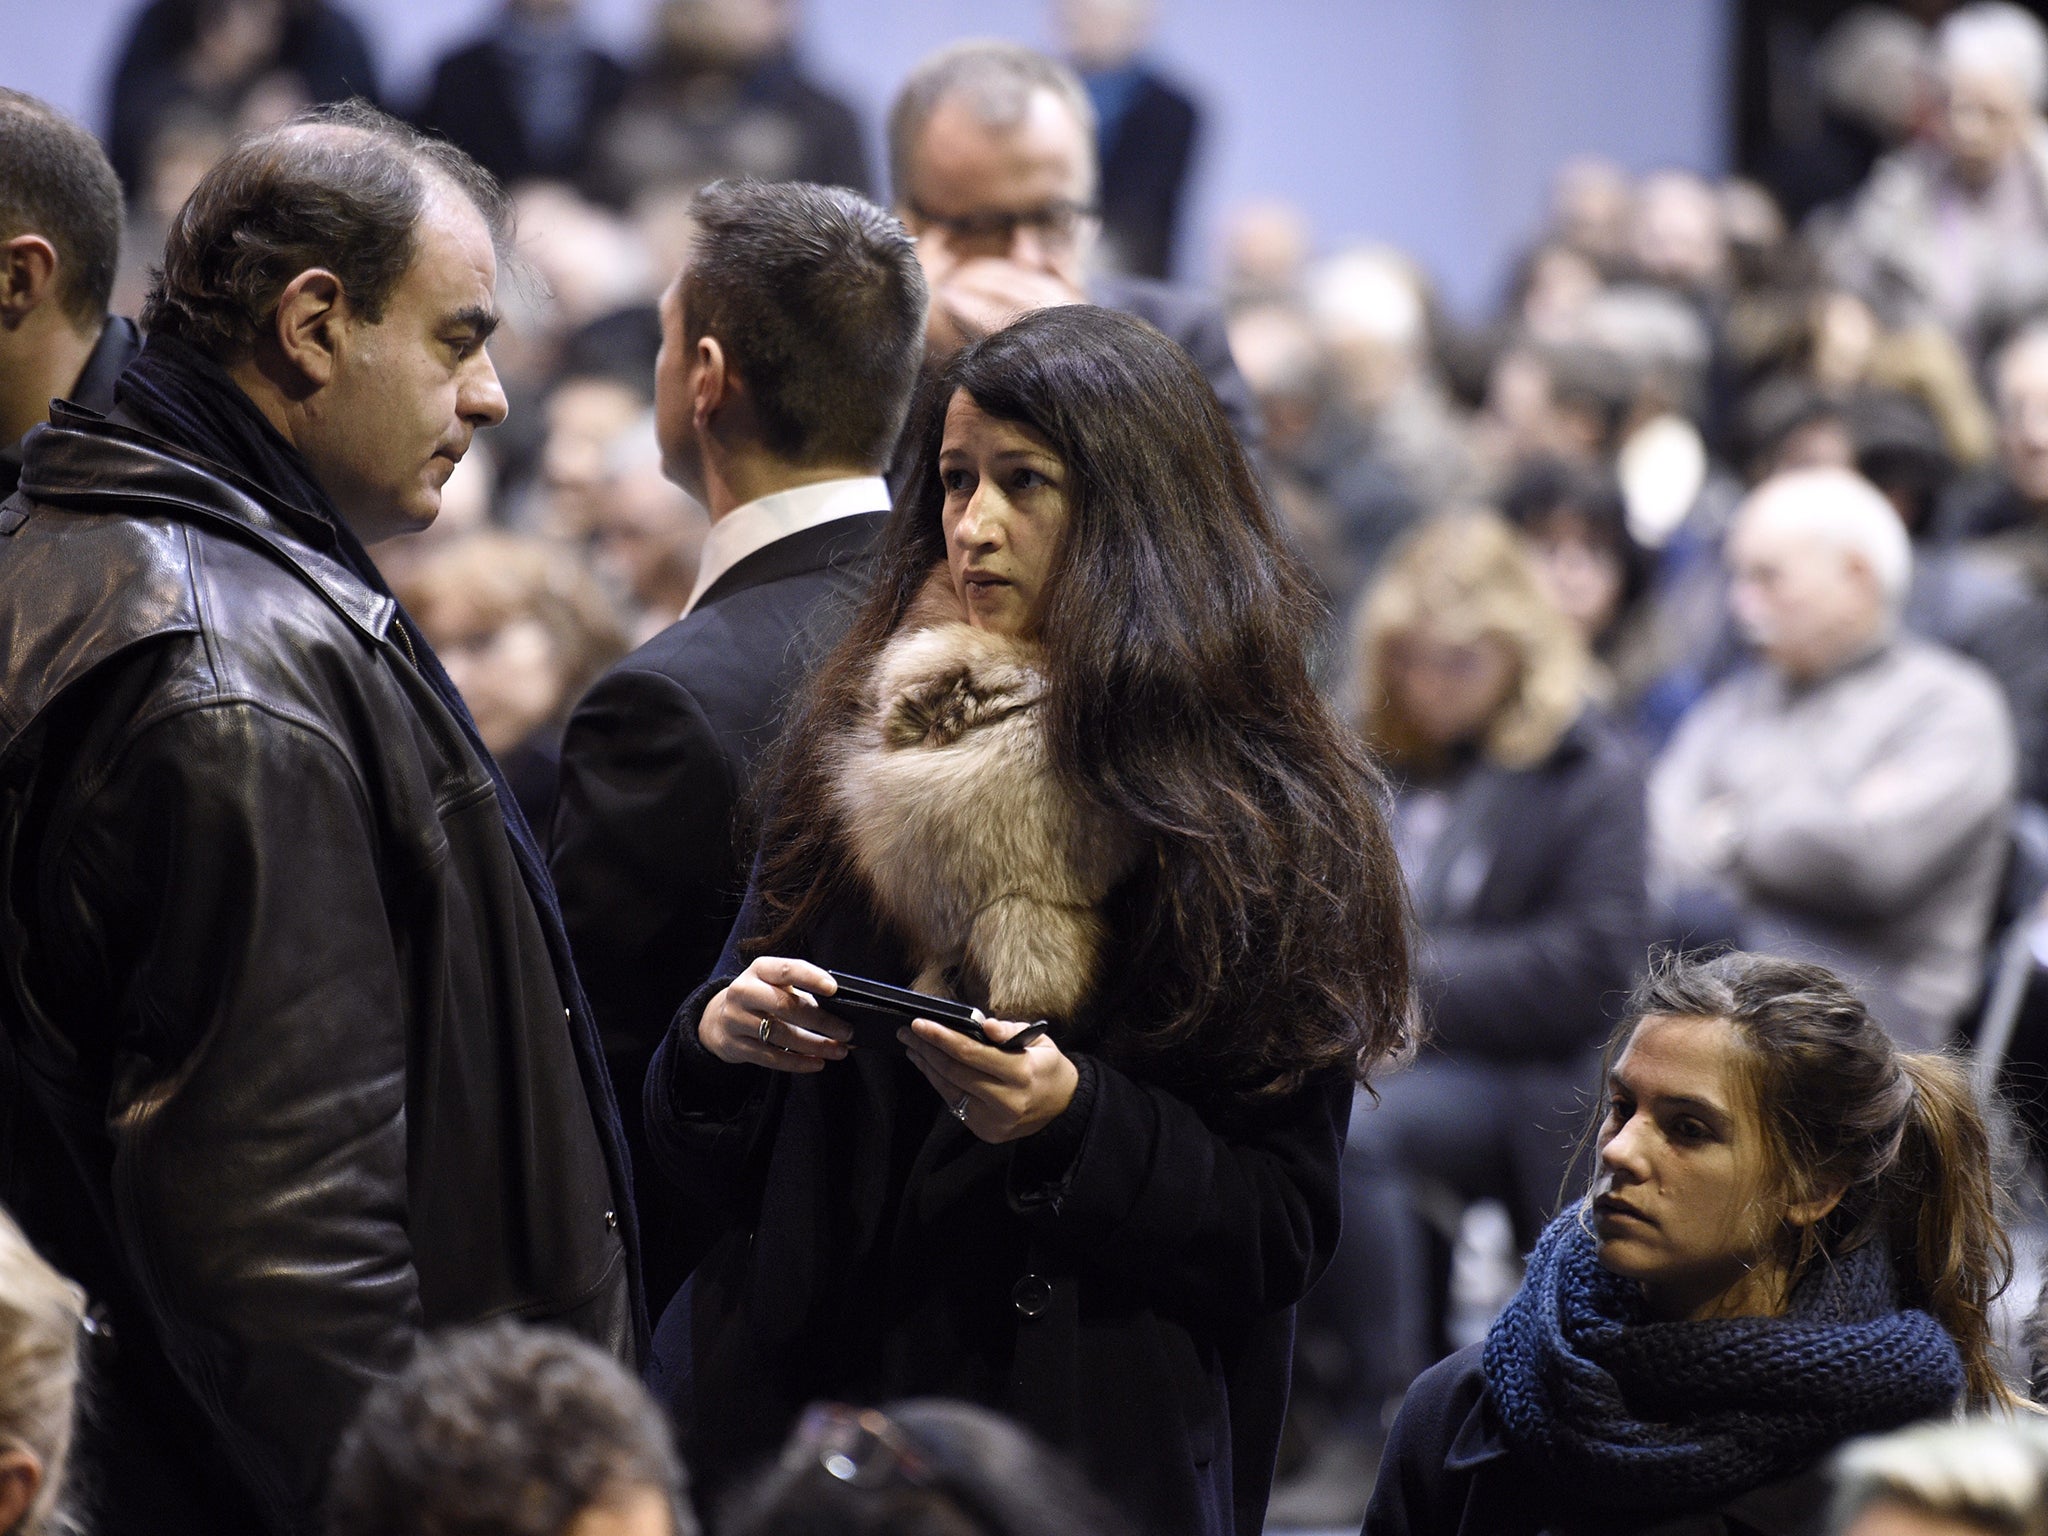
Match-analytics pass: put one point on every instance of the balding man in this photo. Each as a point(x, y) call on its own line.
point(993, 164)
point(298, 1067)
point(1846, 798)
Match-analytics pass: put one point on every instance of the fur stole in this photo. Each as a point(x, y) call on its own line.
point(989, 865)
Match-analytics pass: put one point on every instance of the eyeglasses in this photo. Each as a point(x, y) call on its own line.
point(1057, 223)
point(862, 1447)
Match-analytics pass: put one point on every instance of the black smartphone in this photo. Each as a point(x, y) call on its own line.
point(875, 1011)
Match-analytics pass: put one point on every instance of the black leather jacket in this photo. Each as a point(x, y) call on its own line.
point(288, 1076)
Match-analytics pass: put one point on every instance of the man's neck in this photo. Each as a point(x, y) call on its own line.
point(733, 480)
point(48, 365)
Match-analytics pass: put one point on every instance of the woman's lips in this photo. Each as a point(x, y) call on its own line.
point(1607, 1205)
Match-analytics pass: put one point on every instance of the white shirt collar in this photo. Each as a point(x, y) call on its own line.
point(747, 529)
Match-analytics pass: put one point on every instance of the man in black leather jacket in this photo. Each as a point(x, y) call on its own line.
point(296, 1064)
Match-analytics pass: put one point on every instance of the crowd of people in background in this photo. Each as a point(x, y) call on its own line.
point(1693, 603)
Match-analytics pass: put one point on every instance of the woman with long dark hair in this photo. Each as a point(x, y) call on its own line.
point(1792, 1239)
point(1067, 764)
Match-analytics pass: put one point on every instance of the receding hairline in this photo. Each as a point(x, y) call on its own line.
point(977, 73)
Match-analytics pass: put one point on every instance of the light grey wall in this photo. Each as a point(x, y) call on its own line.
point(1431, 123)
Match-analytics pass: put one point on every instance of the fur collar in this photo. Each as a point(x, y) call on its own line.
point(991, 866)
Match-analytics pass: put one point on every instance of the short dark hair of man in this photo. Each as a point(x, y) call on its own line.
point(340, 187)
point(502, 1430)
point(817, 297)
point(55, 182)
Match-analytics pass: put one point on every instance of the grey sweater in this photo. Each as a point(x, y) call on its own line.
point(1859, 821)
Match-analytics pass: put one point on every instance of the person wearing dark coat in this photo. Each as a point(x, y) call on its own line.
point(1047, 716)
point(529, 98)
point(295, 1063)
point(1790, 1240)
point(56, 337)
point(993, 167)
point(813, 302)
point(1518, 813)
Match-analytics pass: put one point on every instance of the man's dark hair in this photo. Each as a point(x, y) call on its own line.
point(502, 1430)
point(818, 299)
point(340, 187)
point(55, 182)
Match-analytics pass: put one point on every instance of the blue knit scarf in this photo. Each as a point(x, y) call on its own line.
point(1634, 1415)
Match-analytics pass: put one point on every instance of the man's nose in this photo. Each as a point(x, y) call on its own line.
point(1029, 246)
point(482, 399)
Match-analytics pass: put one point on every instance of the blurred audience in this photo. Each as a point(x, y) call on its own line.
point(522, 632)
point(245, 64)
point(529, 97)
point(1518, 818)
point(1846, 797)
point(928, 1467)
point(60, 240)
point(1980, 1476)
point(1953, 228)
point(44, 1329)
point(721, 92)
point(1145, 131)
point(508, 1430)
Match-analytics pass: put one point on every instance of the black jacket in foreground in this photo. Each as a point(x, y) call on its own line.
point(650, 850)
point(1123, 1282)
point(287, 1075)
point(1447, 1472)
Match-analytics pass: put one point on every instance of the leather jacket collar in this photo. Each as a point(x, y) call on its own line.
point(86, 462)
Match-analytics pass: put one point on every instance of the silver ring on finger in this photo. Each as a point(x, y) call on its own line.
point(764, 1029)
point(960, 1109)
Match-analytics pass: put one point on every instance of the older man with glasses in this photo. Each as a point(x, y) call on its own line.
point(992, 158)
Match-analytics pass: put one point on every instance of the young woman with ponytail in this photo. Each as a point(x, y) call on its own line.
point(1791, 1238)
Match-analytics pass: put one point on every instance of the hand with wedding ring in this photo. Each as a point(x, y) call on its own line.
point(769, 1017)
point(999, 1095)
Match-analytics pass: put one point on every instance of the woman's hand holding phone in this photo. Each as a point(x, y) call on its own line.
point(999, 1095)
point(769, 1017)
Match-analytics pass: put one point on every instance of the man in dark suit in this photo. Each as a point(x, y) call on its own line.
point(789, 349)
point(992, 160)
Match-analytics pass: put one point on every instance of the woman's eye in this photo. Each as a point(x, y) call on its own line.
point(1618, 1111)
point(955, 479)
point(1690, 1130)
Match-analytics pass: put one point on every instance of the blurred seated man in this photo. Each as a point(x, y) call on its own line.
point(1518, 817)
point(1954, 229)
point(60, 244)
point(1845, 798)
point(1986, 1475)
point(506, 1430)
point(529, 96)
point(992, 160)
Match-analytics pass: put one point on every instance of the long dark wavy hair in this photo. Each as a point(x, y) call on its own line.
point(1264, 939)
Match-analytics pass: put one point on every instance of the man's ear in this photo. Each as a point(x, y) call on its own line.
point(714, 382)
point(28, 276)
point(311, 313)
point(21, 1479)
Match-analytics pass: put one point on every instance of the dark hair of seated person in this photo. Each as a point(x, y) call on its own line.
point(1268, 932)
point(503, 1430)
point(927, 1467)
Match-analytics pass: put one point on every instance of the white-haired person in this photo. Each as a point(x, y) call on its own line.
point(1845, 798)
point(1986, 1475)
point(1953, 229)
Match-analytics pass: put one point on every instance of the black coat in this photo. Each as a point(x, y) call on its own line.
point(1447, 1472)
point(289, 1073)
point(472, 103)
point(1144, 171)
point(1123, 1282)
point(650, 851)
point(1531, 902)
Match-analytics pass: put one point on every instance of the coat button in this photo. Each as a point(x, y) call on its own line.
point(1031, 1295)
point(611, 1221)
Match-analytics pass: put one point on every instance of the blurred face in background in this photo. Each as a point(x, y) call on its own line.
point(1579, 568)
point(1807, 604)
point(586, 417)
point(1984, 121)
point(2023, 417)
point(505, 667)
point(1890, 1517)
point(1017, 192)
point(1449, 690)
